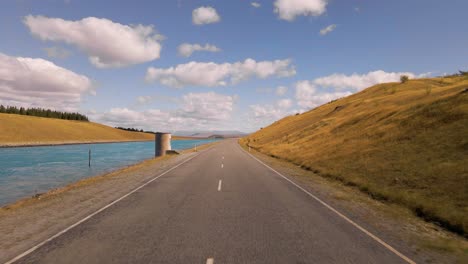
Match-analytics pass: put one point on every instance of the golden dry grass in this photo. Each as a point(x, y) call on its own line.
point(402, 143)
point(31, 130)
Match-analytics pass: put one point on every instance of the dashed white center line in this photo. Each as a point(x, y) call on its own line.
point(219, 185)
point(223, 157)
point(210, 261)
point(222, 166)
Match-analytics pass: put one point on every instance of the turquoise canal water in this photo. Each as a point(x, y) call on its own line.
point(27, 171)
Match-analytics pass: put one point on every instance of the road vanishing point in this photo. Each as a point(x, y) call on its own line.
point(220, 206)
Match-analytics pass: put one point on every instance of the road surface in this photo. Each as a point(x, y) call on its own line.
point(222, 206)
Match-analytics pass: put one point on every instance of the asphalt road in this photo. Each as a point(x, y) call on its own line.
point(222, 206)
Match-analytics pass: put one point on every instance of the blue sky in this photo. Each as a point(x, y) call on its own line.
point(141, 79)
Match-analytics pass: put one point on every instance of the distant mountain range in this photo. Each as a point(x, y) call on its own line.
point(212, 134)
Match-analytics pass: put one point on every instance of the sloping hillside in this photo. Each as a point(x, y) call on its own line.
point(402, 143)
point(29, 130)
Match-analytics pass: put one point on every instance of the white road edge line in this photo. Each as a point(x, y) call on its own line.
point(29, 251)
point(210, 261)
point(380, 241)
point(219, 185)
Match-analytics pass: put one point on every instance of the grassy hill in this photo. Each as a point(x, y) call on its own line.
point(30, 130)
point(402, 143)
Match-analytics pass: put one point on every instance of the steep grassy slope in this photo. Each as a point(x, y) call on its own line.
point(403, 143)
point(30, 130)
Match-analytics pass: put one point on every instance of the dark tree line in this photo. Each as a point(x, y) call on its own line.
point(134, 129)
point(42, 113)
point(130, 129)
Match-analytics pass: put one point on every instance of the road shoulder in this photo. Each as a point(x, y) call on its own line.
point(424, 242)
point(30, 221)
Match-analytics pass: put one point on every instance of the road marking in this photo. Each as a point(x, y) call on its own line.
point(210, 261)
point(222, 165)
point(29, 251)
point(219, 185)
point(223, 157)
point(374, 237)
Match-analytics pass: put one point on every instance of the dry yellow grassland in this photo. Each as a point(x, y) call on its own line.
point(402, 143)
point(31, 130)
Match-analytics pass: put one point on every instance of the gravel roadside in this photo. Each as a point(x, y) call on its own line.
point(427, 242)
point(30, 221)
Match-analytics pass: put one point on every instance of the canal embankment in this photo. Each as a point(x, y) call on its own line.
point(28, 171)
point(29, 221)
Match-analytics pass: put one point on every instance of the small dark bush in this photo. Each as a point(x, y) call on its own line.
point(404, 78)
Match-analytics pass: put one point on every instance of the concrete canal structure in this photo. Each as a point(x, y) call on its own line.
point(162, 143)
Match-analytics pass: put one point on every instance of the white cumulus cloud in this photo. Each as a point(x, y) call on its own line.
point(255, 4)
point(194, 111)
point(281, 90)
point(307, 95)
point(313, 93)
point(267, 113)
point(205, 15)
point(186, 49)
point(361, 81)
point(108, 44)
point(284, 103)
point(212, 74)
point(33, 82)
point(144, 99)
point(210, 106)
point(125, 117)
point(327, 29)
point(261, 115)
point(290, 9)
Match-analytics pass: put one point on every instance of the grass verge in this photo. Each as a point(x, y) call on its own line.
point(396, 224)
point(395, 142)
